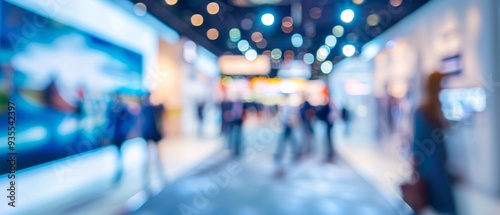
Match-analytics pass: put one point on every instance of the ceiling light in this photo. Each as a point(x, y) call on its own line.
point(309, 58)
point(331, 41)
point(267, 19)
point(348, 50)
point(256, 37)
point(287, 22)
point(251, 55)
point(197, 20)
point(338, 31)
point(347, 15)
point(276, 54)
point(243, 45)
point(213, 8)
point(297, 40)
point(212, 34)
point(373, 20)
point(326, 67)
point(234, 34)
point(322, 53)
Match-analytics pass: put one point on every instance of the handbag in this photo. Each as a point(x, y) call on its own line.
point(415, 193)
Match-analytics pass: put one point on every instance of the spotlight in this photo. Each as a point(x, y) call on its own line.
point(347, 16)
point(267, 19)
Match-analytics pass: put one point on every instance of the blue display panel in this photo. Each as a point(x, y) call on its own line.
point(61, 80)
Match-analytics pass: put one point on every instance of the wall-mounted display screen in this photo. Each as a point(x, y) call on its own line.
point(60, 79)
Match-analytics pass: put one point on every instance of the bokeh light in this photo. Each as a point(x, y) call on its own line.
point(322, 53)
point(197, 20)
point(373, 20)
point(212, 8)
point(257, 37)
point(347, 15)
point(276, 54)
point(212, 34)
point(297, 40)
point(348, 50)
point(234, 34)
point(287, 22)
point(326, 67)
point(309, 58)
point(338, 31)
point(243, 45)
point(251, 55)
point(140, 9)
point(267, 19)
point(331, 41)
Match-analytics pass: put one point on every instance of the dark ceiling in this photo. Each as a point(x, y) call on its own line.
point(314, 30)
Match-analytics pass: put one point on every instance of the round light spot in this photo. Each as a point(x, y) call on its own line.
point(197, 20)
point(331, 41)
point(276, 54)
point(234, 34)
point(326, 67)
point(251, 55)
point(348, 50)
point(322, 53)
point(256, 37)
point(243, 45)
point(267, 19)
point(373, 20)
point(140, 9)
point(309, 58)
point(287, 22)
point(212, 8)
point(338, 31)
point(347, 15)
point(212, 34)
point(297, 40)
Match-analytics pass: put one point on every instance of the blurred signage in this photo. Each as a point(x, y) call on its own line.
point(452, 65)
point(239, 65)
point(295, 69)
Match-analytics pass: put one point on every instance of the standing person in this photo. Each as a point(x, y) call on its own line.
point(151, 126)
point(325, 113)
point(225, 108)
point(235, 127)
point(307, 116)
point(200, 108)
point(346, 118)
point(120, 124)
point(288, 115)
point(431, 160)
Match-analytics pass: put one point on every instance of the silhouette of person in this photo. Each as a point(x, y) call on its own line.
point(429, 124)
